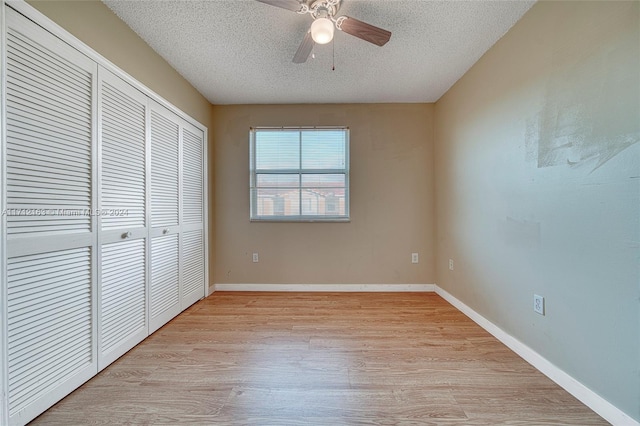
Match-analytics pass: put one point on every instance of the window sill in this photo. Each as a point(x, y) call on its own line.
point(301, 220)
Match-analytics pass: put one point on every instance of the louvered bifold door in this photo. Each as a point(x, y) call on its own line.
point(51, 241)
point(122, 221)
point(165, 217)
point(192, 235)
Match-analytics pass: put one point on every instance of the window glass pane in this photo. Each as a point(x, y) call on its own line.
point(323, 181)
point(277, 150)
point(323, 149)
point(277, 202)
point(323, 202)
point(277, 181)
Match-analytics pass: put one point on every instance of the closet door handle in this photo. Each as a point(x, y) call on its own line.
point(165, 231)
point(126, 235)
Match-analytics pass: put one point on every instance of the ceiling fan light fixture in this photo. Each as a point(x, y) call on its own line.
point(322, 30)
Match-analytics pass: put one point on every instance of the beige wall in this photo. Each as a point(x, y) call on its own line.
point(392, 211)
point(538, 190)
point(95, 25)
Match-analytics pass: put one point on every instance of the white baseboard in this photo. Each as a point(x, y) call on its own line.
point(604, 408)
point(361, 288)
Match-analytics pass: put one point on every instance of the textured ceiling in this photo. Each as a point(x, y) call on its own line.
point(240, 51)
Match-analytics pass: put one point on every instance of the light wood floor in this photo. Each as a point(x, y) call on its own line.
point(320, 359)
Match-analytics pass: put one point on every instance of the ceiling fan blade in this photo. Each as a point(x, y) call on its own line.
point(304, 50)
point(365, 31)
point(293, 5)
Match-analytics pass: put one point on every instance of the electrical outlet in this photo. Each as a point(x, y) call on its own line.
point(538, 304)
point(255, 258)
point(451, 264)
point(415, 258)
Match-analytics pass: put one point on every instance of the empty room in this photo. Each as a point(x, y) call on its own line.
point(320, 212)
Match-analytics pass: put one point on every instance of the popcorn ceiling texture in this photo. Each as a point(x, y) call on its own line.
point(240, 51)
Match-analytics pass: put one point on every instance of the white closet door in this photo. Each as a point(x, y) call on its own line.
point(51, 346)
point(122, 220)
point(192, 248)
point(165, 217)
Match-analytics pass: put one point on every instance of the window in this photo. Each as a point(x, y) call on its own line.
point(299, 174)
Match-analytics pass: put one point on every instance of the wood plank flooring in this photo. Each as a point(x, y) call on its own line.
point(320, 359)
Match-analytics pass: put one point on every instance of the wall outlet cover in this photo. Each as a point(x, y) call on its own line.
point(538, 304)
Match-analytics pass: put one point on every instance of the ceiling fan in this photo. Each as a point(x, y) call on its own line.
point(324, 17)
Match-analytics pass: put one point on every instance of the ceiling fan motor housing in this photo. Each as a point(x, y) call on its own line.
point(318, 7)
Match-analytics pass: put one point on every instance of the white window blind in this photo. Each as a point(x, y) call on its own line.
point(299, 174)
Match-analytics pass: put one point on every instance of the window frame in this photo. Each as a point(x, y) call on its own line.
point(254, 172)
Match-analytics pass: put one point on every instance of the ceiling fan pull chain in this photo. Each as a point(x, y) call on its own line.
point(333, 47)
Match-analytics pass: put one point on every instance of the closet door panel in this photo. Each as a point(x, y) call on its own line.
point(51, 231)
point(165, 292)
point(123, 316)
point(122, 154)
point(192, 267)
point(193, 176)
point(165, 141)
point(49, 134)
point(50, 323)
point(123, 237)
